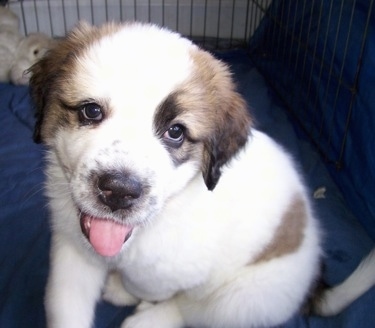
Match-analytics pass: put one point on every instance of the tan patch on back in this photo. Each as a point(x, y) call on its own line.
point(289, 235)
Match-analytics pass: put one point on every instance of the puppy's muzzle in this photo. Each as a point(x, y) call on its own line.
point(118, 190)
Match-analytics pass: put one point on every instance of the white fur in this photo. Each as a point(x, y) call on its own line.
point(189, 258)
point(9, 40)
point(336, 299)
point(18, 53)
point(28, 52)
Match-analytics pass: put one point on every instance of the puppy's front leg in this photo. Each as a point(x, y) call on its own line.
point(115, 293)
point(74, 286)
point(162, 315)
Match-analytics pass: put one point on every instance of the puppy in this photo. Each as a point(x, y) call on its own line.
point(18, 53)
point(161, 192)
point(29, 51)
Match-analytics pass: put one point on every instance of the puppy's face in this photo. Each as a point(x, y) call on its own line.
point(134, 113)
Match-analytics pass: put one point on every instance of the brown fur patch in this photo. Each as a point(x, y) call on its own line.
point(289, 235)
point(224, 115)
point(50, 76)
point(173, 111)
point(214, 114)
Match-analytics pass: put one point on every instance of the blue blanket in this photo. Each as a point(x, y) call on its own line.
point(24, 223)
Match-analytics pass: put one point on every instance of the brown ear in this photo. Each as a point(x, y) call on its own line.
point(38, 91)
point(42, 83)
point(229, 137)
point(226, 115)
point(228, 112)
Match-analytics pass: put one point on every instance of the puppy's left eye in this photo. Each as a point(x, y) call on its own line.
point(174, 136)
point(91, 113)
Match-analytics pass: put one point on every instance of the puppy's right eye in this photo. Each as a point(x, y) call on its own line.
point(91, 113)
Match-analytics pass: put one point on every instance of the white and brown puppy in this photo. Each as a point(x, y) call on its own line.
point(159, 187)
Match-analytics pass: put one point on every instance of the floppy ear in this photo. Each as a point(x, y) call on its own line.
point(226, 116)
point(223, 114)
point(230, 135)
point(41, 81)
point(38, 86)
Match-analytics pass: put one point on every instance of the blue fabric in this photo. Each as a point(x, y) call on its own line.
point(314, 95)
point(24, 227)
point(24, 233)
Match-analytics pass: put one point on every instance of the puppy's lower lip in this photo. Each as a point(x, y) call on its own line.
point(105, 236)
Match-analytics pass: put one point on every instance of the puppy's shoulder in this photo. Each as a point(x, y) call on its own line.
point(264, 148)
point(262, 162)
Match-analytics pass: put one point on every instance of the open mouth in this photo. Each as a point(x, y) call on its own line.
point(106, 236)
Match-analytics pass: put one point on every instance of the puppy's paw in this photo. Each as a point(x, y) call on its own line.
point(161, 315)
point(144, 306)
point(115, 293)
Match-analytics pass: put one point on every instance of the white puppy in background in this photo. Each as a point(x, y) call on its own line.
point(18, 53)
point(161, 192)
point(29, 51)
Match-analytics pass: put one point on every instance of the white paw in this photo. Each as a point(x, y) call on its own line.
point(137, 321)
point(115, 293)
point(144, 306)
point(161, 315)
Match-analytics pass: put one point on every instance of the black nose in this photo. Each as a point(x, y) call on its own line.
point(118, 190)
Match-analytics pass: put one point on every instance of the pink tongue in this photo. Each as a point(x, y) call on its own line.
point(107, 237)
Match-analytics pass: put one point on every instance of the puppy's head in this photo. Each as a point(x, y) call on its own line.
point(134, 113)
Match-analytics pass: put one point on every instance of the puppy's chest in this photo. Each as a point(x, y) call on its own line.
point(157, 265)
point(204, 244)
point(180, 250)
